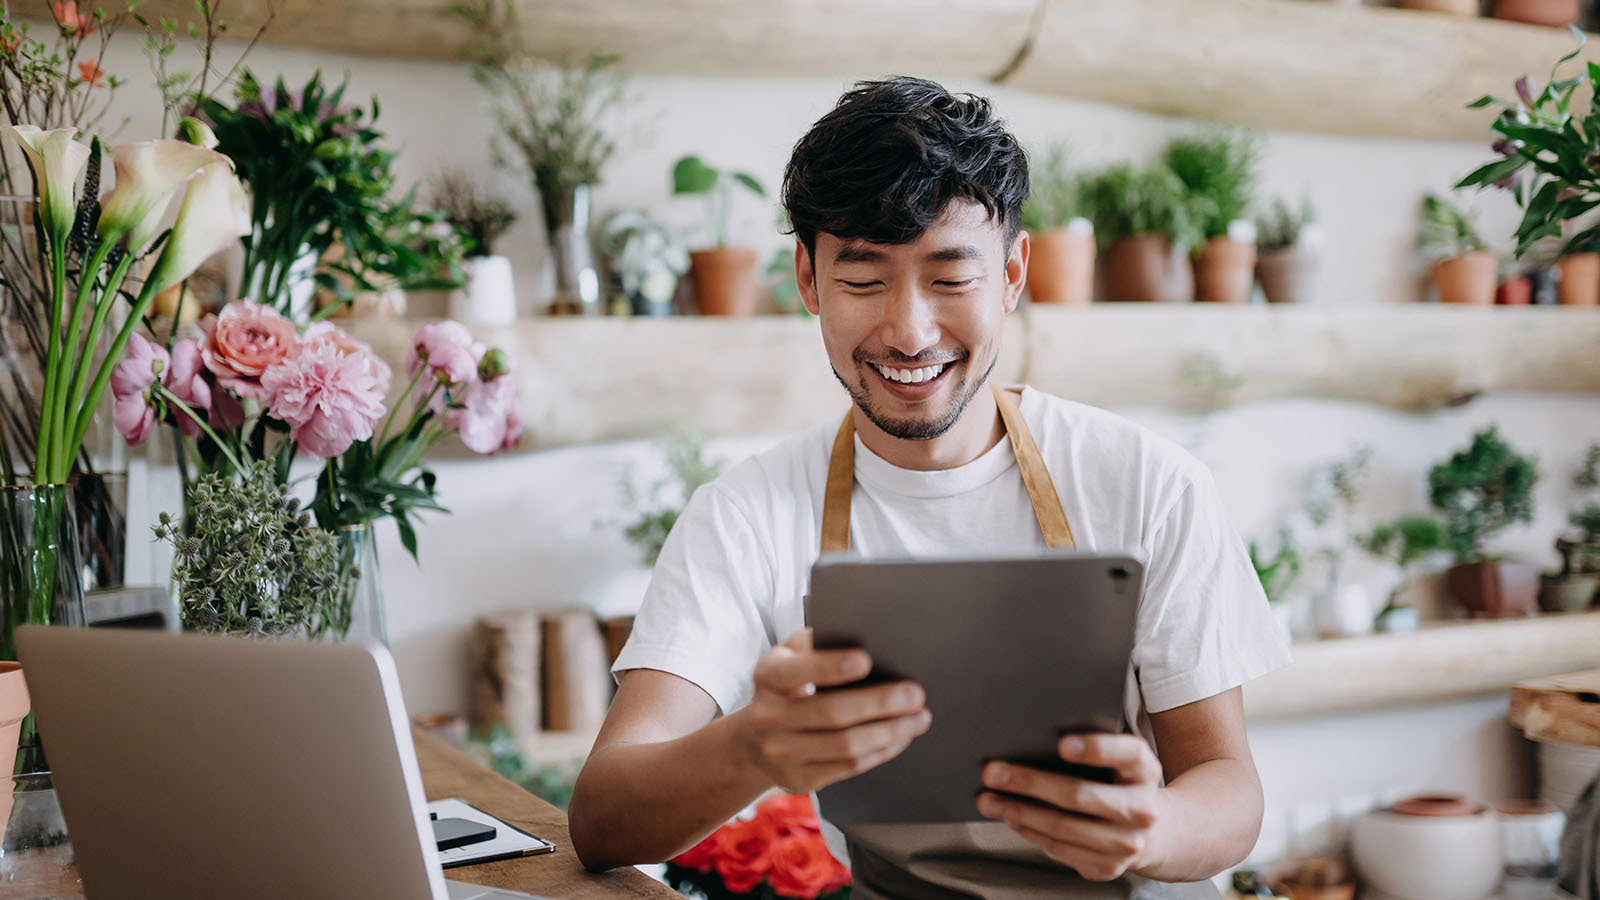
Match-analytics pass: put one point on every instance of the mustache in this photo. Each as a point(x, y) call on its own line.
point(898, 360)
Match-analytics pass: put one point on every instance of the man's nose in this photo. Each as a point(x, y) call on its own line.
point(910, 323)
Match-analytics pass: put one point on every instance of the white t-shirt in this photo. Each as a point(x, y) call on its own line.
point(730, 580)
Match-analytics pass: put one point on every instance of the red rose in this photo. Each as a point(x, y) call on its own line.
point(787, 813)
point(744, 854)
point(802, 867)
point(699, 857)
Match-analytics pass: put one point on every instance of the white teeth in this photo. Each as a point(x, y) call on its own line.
point(911, 376)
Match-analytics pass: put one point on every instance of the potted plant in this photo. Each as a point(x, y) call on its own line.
point(1463, 270)
point(1405, 541)
point(1219, 170)
point(1278, 574)
point(1574, 587)
point(644, 259)
point(1551, 13)
point(1146, 221)
point(724, 277)
point(481, 218)
point(1546, 161)
point(1480, 491)
point(1060, 234)
point(1286, 252)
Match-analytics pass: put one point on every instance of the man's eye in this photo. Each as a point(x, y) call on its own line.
point(859, 285)
point(955, 284)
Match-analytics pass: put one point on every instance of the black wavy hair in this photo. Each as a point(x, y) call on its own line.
point(890, 157)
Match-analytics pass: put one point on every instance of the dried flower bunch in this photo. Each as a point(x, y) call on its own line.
point(254, 563)
point(478, 214)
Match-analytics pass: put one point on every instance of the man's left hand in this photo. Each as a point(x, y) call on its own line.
point(1099, 830)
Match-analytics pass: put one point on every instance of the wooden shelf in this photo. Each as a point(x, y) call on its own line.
point(605, 379)
point(1284, 64)
point(1442, 661)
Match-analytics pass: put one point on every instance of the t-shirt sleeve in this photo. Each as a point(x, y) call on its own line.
point(706, 614)
point(1204, 625)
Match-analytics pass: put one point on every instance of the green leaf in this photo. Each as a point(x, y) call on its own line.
point(691, 176)
point(1492, 172)
point(750, 182)
point(408, 536)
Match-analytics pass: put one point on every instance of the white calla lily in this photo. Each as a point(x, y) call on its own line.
point(215, 213)
point(147, 174)
point(56, 159)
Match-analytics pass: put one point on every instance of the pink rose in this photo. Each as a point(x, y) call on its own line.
point(241, 344)
point(446, 348)
point(132, 380)
point(349, 346)
point(486, 415)
point(186, 380)
point(328, 399)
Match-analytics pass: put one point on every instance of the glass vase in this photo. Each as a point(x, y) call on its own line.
point(566, 219)
point(359, 613)
point(36, 858)
point(40, 577)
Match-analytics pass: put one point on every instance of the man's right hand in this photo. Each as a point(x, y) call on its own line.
point(803, 738)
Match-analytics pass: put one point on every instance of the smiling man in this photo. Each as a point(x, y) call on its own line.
point(906, 203)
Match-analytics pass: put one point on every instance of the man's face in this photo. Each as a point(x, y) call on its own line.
point(913, 329)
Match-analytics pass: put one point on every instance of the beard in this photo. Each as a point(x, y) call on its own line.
point(916, 429)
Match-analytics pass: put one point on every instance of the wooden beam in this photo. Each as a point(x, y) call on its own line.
point(589, 380)
point(1298, 66)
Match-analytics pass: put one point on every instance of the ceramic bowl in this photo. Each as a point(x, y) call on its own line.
point(1428, 857)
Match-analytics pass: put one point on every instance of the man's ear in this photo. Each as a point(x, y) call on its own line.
point(805, 277)
point(1016, 270)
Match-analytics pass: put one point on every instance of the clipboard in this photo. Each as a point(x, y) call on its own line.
point(509, 841)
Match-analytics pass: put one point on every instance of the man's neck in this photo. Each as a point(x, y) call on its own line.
point(978, 430)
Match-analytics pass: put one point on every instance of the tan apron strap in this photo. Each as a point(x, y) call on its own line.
point(1035, 477)
point(841, 482)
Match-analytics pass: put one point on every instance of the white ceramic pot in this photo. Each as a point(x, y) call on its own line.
point(490, 297)
point(1427, 857)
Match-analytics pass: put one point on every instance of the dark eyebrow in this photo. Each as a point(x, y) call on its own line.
point(857, 251)
point(955, 254)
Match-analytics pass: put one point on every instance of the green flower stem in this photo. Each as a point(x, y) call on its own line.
point(58, 299)
point(102, 309)
point(404, 395)
point(88, 276)
point(187, 410)
point(136, 315)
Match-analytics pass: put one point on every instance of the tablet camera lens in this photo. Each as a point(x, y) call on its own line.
point(1120, 573)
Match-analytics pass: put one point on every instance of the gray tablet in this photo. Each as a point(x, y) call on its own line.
point(1013, 653)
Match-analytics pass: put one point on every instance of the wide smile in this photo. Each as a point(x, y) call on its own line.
point(912, 384)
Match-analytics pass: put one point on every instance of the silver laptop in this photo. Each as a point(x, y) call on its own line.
point(191, 766)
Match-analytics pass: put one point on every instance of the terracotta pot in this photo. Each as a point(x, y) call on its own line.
point(1469, 278)
point(1061, 267)
point(1514, 292)
point(1567, 593)
point(1451, 7)
point(14, 706)
point(725, 281)
point(1224, 271)
point(1494, 590)
point(1553, 13)
point(1320, 878)
point(1580, 279)
point(1286, 275)
point(1143, 267)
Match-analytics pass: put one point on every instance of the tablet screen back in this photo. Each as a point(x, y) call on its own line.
point(1012, 652)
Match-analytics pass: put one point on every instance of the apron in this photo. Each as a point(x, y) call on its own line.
point(985, 859)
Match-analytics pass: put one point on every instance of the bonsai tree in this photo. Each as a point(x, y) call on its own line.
point(1406, 541)
point(690, 175)
point(1481, 491)
point(1580, 554)
point(1219, 170)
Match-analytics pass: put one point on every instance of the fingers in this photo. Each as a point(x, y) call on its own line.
point(1096, 835)
point(1128, 755)
point(1121, 804)
point(1088, 863)
point(800, 671)
point(853, 706)
point(857, 743)
point(820, 775)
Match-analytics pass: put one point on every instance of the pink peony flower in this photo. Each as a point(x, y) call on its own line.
point(349, 346)
point(186, 380)
point(487, 415)
point(241, 344)
point(446, 348)
point(141, 368)
point(328, 399)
